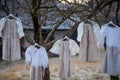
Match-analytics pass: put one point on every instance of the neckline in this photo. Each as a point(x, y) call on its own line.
point(37, 48)
point(10, 19)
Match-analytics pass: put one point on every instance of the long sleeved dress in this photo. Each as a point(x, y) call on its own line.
point(39, 61)
point(65, 49)
point(88, 36)
point(11, 31)
point(64, 59)
point(111, 37)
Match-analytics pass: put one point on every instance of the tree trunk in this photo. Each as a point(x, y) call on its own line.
point(37, 38)
point(47, 74)
point(36, 27)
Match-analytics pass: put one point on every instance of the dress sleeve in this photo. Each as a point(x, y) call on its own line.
point(80, 31)
point(28, 57)
point(55, 48)
point(20, 28)
point(74, 48)
point(96, 30)
point(45, 57)
point(102, 36)
point(2, 23)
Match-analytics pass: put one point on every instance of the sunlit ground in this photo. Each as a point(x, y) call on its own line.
point(79, 70)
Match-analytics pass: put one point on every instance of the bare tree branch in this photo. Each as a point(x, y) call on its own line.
point(55, 27)
point(30, 5)
point(4, 7)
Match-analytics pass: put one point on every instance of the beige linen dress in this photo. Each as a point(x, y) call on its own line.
point(88, 45)
point(11, 31)
point(64, 59)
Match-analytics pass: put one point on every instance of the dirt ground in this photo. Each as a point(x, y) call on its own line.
point(79, 70)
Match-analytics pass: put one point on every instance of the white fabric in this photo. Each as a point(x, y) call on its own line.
point(80, 31)
point(73, 46)
point(28, 57)
point(37, 56)
point(2, 23)
point(10, 36)
point(110, 37)
point(111, 33)
point(55, 47)
point(20, 28)
point(111, 63)
point(96, 30)
point(19, 24)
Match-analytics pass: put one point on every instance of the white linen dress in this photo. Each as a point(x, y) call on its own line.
point(111, 64)
point(39, 61)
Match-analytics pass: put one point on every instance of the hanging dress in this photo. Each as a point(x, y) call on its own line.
point(111, 64)
point(64, 59)
point(39, 62)
point(11, 31)
point(88, 42)
point(65, 49)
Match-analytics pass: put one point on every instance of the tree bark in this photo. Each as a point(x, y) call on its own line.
point(55, 27)
point(47, 74)
point(4, 7)
point(117, 12)
point(38, 30)
point(70, 32)
point(37, 39)
point(36, 27)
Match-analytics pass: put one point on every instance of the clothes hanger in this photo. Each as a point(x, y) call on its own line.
point(11, 16)
point(87, 21)
point(111, 24)
point(65, 38)
point(37, 45)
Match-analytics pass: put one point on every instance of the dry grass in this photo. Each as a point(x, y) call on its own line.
point(15, 73)
point(84, 65)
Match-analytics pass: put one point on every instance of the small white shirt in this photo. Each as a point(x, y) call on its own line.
point(37, 56)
